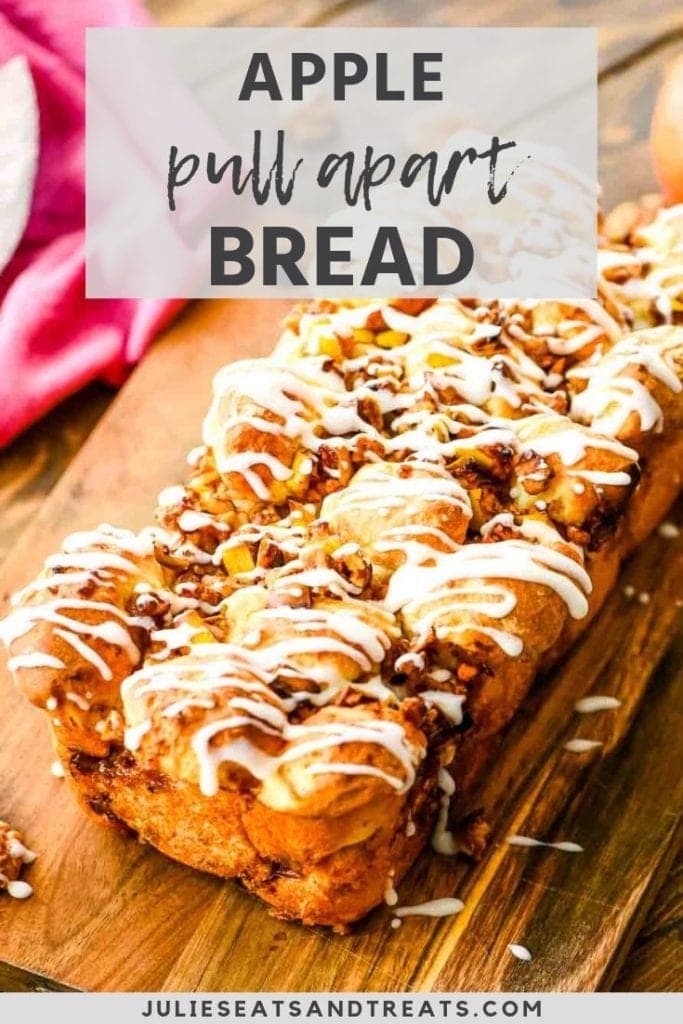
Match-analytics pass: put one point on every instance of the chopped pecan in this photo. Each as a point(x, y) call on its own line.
point(533, 472)
point(466, 672)
point(412, 307)
point(473, 834)
point(170, 559)
point(365, 448)
point(578, 536)
point(369, 410)
point(356, 570)
point(500, 532)
point(270, 554)
point(375, 322)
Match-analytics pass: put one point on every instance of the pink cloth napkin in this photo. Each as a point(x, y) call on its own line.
point(52, 339)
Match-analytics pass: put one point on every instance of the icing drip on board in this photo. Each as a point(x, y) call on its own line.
point(581, 746)
point(588, 705)
point(521, 952)
point(566, 847)
point(444, 907)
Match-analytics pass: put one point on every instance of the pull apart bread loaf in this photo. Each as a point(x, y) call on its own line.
point(393, 524)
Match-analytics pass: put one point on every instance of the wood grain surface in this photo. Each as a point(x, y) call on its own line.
point(636, 43)
point(654, 961)
point(110, 914)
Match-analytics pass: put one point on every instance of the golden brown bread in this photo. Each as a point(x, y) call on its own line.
point(394, 524)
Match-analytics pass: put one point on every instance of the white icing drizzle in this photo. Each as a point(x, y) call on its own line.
point(612, 394)
point(302, 399)
point(91, 561)
point(410, 661)
point(344, 550)
point(171, 496)
point(358, 630)
point(97, 556)
point(190, 520)
point(177, 638)
point(318, 578)
point(133, 734)
point(570, 334)
point(376, 487)
point(607, 405)
point(311, 406)
point(57, 769)
point(79, 701)
point(553, 435)
point(18, 851)
point(449, 704)
point(34, 659)
point(595, 476)
point(86, 652)
point(125, 541)
point(502, 519)
point(653, 270)
point(440, 398)
point(195, 455)
point(244, 462)
point(22, 620)
point(429, 592)
point(510, 559)
point(444, 841)
point(309, 738)
point(227, 667)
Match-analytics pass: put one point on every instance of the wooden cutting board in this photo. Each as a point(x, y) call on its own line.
point(110, 914)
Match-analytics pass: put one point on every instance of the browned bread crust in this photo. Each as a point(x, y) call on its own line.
point(393, 525)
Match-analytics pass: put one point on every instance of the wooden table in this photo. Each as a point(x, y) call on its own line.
point(636, 43)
